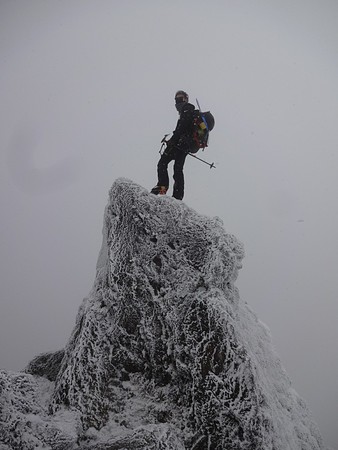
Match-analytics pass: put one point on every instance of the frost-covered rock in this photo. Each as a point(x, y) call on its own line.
point(46, 365)
point(164, 354)
point(24, 420)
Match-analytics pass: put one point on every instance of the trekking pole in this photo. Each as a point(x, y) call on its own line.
point(163, 143)
point(211, 165)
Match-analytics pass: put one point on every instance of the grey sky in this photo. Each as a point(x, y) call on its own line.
point(86, 94)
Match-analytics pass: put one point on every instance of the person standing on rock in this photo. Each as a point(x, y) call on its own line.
point(179, 145)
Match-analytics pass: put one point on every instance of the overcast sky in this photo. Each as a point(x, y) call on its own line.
point(86, 94)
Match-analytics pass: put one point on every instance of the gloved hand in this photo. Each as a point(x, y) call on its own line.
point(168, 149)
point(183, 144)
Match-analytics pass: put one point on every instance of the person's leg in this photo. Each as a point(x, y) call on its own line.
point(162, 174)
point(178, 191)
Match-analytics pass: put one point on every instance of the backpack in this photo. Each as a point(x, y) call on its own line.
point(204, 122)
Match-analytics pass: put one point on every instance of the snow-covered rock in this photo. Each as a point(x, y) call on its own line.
point(164, 354)
point(24, 420)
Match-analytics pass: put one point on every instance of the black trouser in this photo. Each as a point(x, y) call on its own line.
point(178, 155)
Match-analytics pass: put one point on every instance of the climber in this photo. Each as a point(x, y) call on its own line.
point(178, 146)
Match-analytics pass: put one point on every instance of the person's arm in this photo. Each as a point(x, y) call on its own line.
point(184, 125)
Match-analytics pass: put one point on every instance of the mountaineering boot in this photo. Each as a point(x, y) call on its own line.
point(159, 190)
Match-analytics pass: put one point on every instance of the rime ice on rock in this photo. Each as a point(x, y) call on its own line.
point(164, 354)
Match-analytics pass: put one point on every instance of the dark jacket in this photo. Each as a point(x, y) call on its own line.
point(185, 126)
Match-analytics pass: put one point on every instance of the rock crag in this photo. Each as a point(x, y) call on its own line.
point(164, 353)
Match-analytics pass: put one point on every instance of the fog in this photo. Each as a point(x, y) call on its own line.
point(87, 93)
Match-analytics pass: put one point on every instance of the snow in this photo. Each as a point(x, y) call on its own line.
point(164, 354)
point(25, 423)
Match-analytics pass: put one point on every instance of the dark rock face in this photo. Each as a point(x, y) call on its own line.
point(164, 354)
point(46, 365)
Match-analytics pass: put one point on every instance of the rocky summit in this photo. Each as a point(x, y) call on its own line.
point(164, 354)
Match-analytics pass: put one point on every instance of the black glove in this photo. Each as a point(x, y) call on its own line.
point(168, 148)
